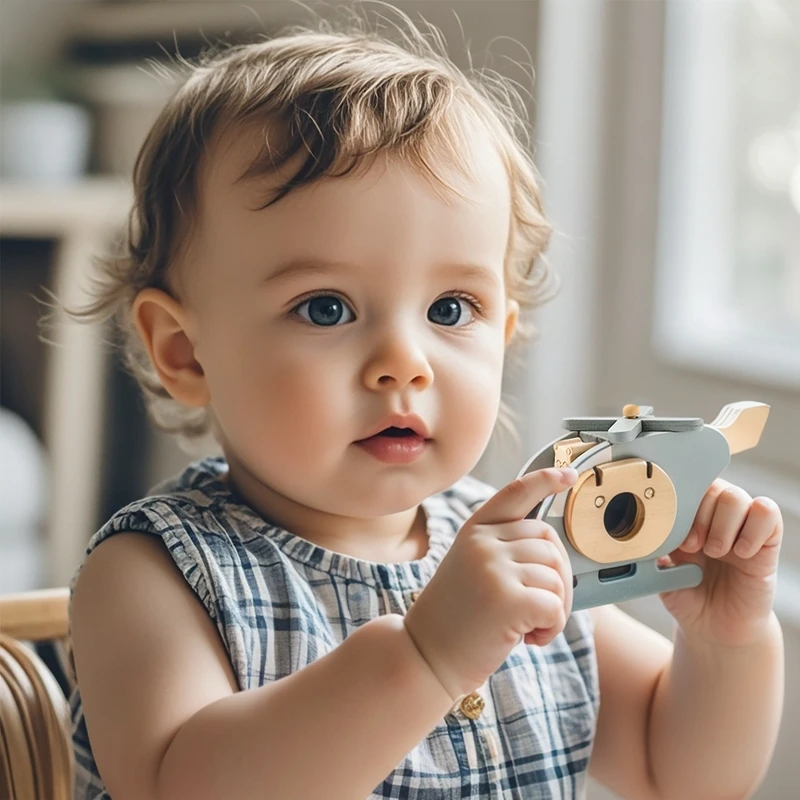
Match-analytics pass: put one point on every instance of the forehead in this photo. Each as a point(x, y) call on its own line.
point(384, 206)
point(236, 148)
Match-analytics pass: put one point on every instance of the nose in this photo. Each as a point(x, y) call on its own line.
point(397, 360)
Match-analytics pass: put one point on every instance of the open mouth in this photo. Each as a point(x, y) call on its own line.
point(395, 445)
point(399, 432)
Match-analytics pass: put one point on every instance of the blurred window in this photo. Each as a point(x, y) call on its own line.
point(728, 296)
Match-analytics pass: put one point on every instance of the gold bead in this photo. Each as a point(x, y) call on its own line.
point(415, 595)
point(472, 705)
point(630, 411)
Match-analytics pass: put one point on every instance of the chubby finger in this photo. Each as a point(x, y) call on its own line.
point(525, 529)
point(763, 527)
point(696, 538)
point(539, 576)
point(515, 500)
point(536, 551)
point(542, 545)
point(543, 609)
point(730, 513)
point(549, 553)
point(542, 636)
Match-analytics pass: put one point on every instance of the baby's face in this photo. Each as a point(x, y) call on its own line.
point(295, 384)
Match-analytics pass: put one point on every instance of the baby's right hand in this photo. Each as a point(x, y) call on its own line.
point(504, 578)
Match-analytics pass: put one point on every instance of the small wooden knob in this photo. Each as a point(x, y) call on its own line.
point(630, 411)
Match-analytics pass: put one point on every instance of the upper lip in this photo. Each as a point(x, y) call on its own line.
point(411, 421)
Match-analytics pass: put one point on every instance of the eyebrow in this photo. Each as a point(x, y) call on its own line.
point(321, 267)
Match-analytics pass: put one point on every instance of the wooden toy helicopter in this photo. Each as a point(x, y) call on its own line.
point(641, 480)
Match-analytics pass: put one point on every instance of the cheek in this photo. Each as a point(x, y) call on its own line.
point(471, 397)
point(265, 400)
point(300, 401)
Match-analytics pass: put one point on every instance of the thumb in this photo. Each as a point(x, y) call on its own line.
point(515, 500)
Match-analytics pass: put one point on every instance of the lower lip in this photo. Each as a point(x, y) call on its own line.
point(394, 449)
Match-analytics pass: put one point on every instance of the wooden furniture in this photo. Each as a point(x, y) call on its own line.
point(36, 756)
point(35, 616)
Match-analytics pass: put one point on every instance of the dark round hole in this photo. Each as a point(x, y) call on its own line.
point(621, 517)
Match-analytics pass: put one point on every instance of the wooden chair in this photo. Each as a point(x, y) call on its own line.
point(36, 758)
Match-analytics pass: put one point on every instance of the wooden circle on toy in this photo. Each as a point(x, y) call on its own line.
point(620, 511)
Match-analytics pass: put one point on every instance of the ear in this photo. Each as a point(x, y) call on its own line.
point(162, 324)
point(512, 315)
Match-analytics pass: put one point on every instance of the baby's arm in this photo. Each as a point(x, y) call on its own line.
point(166, 721)
point(693, 724)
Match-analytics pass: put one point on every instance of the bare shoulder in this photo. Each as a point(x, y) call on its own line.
point(147, 658)
point(630, 660)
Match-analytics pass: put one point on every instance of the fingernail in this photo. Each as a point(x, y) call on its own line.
point(568, 474)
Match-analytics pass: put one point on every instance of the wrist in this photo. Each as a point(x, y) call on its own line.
point(760, 634)
point(448, 684)
point(411, 668)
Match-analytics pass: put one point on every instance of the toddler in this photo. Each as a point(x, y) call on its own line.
point(334, 237)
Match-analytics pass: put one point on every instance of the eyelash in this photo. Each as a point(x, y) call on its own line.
point(473, 301)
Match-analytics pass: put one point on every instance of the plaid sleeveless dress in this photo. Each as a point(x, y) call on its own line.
point(280, 602)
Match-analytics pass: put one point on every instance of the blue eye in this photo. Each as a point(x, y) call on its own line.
point(448, 311)
point(324, 310)
point(327, 310)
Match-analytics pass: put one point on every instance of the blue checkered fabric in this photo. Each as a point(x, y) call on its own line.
point(280, 602)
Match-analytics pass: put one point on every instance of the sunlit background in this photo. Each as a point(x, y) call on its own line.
point(668, 138)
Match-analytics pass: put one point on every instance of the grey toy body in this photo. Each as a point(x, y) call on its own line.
point(691, 453)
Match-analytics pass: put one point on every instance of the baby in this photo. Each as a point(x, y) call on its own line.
point(333, 239)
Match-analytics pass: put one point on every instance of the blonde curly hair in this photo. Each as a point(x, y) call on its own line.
point(336, 97)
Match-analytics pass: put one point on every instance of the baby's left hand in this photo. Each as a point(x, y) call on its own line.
point(736, 540)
